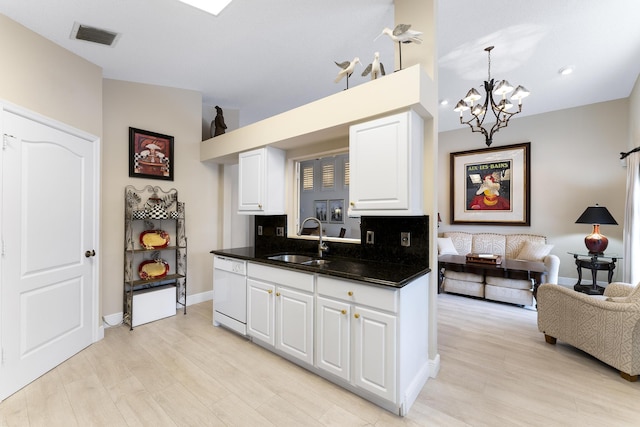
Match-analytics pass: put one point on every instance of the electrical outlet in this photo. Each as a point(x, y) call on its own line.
point(279, 231)
point(405, 238)
point(259, 230)
point(370, 236)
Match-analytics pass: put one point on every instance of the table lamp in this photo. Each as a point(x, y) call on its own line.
point(596, 215)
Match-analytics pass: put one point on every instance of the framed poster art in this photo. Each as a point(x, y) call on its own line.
point(150, 155)
point(491, 186)
point(320, 210)
point(336, 211)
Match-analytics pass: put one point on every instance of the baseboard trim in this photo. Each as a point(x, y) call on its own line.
point(115, 319)
point(198, 298)
point(434, 366)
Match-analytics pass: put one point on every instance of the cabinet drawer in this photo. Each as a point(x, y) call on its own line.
point(359, 293)
point(281, 276)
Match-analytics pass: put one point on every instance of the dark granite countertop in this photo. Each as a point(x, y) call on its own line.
point(372, 272)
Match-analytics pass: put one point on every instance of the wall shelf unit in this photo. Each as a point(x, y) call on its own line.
point(155, 255)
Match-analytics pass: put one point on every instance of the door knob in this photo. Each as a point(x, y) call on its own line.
point(90, 253)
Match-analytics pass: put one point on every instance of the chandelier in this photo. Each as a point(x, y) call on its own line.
point(499, 109)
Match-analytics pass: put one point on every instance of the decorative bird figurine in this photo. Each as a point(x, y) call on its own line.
point(375, 68)
point(402, 34)
point(346, 69)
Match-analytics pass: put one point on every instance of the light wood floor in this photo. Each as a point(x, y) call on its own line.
point(496, 370)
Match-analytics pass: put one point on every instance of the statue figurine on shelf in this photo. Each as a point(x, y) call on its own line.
point(217, 125)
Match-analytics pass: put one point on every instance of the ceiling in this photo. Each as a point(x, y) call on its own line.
point(266, 57)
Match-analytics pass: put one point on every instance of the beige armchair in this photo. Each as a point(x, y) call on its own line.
point(607, 328)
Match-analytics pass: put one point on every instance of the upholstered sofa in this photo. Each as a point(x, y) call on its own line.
point(607, 327)
point(527, 247)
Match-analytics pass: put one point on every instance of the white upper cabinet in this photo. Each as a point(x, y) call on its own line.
point(261, 182)
point(385, 158)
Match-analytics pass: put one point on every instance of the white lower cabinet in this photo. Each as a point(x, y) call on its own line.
point(371, 340)
point(357, 343)
point(374, 352)
point(294, 323)
point(333, 337)
point(280, 310)
point(260, 311)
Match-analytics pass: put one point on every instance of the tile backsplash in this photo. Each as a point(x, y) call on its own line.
point(271, 237)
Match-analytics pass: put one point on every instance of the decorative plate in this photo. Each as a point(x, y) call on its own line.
point(153, 269)
point(154, 239)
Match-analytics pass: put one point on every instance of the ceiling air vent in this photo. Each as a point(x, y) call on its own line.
point(94, 35)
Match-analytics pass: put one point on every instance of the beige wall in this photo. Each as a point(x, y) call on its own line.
point(169, 111)
point(574, 164)
point(634, 116)
point(43, 77)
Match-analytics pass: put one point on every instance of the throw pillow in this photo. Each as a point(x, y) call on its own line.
point(534, 251)
point(446, 247)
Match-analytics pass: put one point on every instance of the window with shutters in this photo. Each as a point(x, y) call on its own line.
point(307, 177)
point(323, 193)
point(346, 173)
point(328, 174)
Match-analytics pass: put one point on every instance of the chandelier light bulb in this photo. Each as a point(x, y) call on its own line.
point(478, 110)
point(519, 93)
point(503, 88)
point(472, 96)
point(504, 105)
point(461, 106)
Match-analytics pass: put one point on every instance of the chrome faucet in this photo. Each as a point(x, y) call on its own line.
point(322, 247)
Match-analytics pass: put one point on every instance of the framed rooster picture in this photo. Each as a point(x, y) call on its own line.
point(150, 155)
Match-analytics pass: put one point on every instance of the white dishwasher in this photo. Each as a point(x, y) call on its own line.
point(230, 293)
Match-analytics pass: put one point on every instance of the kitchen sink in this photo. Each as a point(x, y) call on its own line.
point(316, 262)
point(293, 258)
point(299, 259)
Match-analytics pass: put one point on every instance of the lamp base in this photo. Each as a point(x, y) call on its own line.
point(596, 242)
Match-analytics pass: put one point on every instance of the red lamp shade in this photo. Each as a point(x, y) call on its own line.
point(596, 243)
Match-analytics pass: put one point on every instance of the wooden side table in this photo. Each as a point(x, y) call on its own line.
point(595, 263)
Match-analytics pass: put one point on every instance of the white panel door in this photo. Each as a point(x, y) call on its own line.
point(333, 337)
point(375, 352)
point(260, 314)
point(294, 323)
point(48, 312)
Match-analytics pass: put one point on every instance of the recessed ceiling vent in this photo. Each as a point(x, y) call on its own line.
point(94, 35)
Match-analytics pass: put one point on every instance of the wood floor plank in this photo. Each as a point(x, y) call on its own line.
point(497, 370)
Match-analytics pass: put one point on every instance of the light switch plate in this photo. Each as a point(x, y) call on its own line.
point(279, 231)
point(259, 230)
point(370, 236)
point(405, 238)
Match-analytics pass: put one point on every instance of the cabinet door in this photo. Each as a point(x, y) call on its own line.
point(333, 337)
point(251, 180)
point(294, 323)
point(375, 352)
point(260, 311)
point(379, 164)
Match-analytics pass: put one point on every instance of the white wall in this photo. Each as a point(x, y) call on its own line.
point(169, 111)
point(574, 164)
